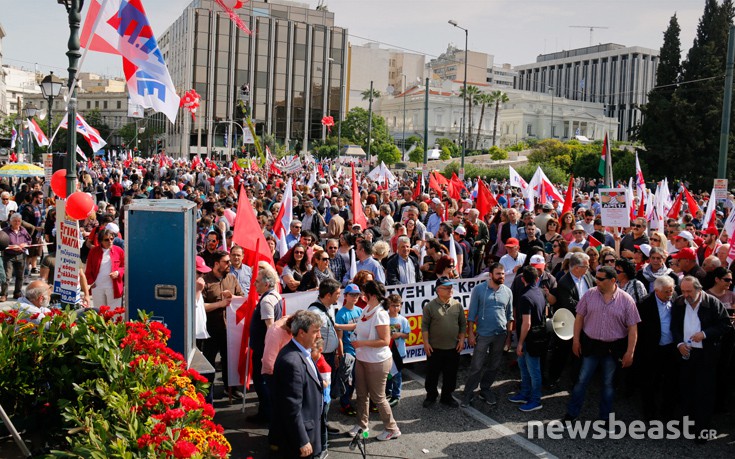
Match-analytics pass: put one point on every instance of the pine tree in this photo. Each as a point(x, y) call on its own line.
point(657, 131)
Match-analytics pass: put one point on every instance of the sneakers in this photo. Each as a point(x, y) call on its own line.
point(353, 431)
point(518, 398)
point(393, 401)
point(389, 435)
point(466, 402)
point(530, 406)
point(348, 410)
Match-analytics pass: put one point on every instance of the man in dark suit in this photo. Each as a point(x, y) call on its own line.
point(403, 266)
point(656, 358)
point(570, 288)
point(698, 321)
point(297, 391)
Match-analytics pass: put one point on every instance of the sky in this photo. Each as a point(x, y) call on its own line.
point(514, 31)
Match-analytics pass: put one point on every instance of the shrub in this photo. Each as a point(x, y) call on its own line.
point(96, 386)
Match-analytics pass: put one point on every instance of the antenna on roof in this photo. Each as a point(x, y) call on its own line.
point(592, 29)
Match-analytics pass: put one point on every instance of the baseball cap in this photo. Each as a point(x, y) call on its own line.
point(687, 253)
point(644, 248)
point(547, 206)
point(436, 200)
point(113, 227)
point(512, 242)
point(460, 230)
point(352, 288)
point(537, 261)
point(684, 235)
point(202, 266)
point(443, 282)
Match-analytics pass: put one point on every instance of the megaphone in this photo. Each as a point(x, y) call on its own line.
point(562, 324)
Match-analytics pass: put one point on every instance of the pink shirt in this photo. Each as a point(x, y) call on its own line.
point(275, 338)
point(607, 321)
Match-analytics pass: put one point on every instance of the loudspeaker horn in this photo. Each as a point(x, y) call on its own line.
point(563, 324)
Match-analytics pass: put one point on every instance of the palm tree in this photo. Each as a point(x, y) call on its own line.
point(471, 93)
point(499, 97)
point(483, 99)
point(366, 94)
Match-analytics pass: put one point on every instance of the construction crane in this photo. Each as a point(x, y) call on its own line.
point(592, 29)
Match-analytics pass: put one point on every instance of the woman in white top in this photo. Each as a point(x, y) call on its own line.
point(373, 361)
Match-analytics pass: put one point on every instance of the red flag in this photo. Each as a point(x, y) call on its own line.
point(569, 196)
point(453, 191)
point(676, 208)
point(441, 180)
point(245, 311)
point(247, 233)
point(320, 170)
point(195, 162)
point(485, 199)
point(434, 185)
point(103, 164)
point(254, 166)
point(542, 192)
point(458, 184)
point(236, 166)
point(358, 216)
point(417, 190)
point(13, 157)
point(691, 202)
point(594, 242)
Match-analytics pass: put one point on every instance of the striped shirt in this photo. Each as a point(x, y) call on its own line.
point(607, 321)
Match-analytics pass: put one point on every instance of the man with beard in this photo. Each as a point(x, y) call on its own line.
point(491, 309)
point(636, 237)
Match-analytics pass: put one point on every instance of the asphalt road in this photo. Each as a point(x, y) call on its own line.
point(481, 431)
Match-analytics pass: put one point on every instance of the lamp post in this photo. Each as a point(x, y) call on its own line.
point(551, 128)
point(74, 11)
point(370, 124)
point(464, 99)
point(51, 88)
point(403, 156)
point(29, 111)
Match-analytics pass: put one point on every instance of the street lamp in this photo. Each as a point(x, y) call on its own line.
point(74, 11)
point(51, 88)
point(551, 130)
point(403, 156)
point(464, 99)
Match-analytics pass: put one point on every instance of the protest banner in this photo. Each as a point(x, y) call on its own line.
point(720, 189)
point(68, 259)
point(415, 297)
point(614, 208)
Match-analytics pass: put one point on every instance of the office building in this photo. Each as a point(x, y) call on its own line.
point(617, 76)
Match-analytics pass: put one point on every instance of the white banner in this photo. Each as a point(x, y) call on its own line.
point(415, 297)
point(614, 207)
point(68, 260)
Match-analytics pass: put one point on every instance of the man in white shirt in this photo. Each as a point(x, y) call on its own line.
point(513, 260)
point(7, 207)
point(35, 303)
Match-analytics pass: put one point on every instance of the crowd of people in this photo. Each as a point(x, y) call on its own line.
point(653, 305)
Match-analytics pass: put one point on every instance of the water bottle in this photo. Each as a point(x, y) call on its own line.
point(689, 345)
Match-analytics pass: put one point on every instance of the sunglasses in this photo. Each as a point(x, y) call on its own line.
point(638, 226)
point(298, 253)
point(108, 239)
point(609, 260)
point(655, 240)
point(726, 279)
point(601, 279)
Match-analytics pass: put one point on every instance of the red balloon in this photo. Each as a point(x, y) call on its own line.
point(79, 205)
point(58, 183)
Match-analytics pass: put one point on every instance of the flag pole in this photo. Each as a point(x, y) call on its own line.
point(245, 383)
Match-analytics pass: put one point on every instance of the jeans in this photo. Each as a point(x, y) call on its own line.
point(487, 347)
point(589, 365)
point(393, 386)
point(530, 376)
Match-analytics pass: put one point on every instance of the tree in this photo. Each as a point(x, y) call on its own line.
point(366, 94)
point(417, 156)
point(500, 97)
point(469, 96)
point(483, 100)
point(443, 143)
point(387, 153)
point(355, 128)
point(445, 154)
point(659, 131)
point(497, 153)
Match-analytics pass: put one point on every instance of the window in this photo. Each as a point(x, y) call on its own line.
point(89, 104)
point(528, 129)
point(104, 105)
point(96, 104)
point(119, 104)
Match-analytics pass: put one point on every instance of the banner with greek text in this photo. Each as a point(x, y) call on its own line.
point(415, 297)
point(68, 259)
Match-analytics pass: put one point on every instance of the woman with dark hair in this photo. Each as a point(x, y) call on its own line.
point(551, 235)
point(721, 290)
point(295, 269)
point(346, 241)
point(446, 267)
point(627, 281)
point(567, 226)
point(105, 270)
point(373, 361)
point(558, 252)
